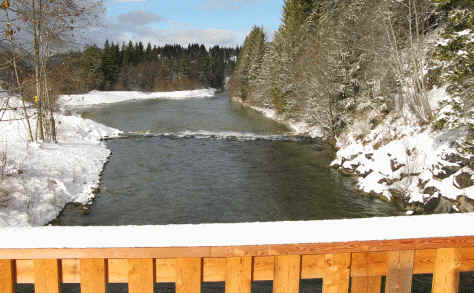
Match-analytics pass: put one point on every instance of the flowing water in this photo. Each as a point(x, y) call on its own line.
point(210, 160)
point(214, 161)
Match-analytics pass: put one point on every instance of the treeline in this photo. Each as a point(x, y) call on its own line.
point(334, 61)
point(134, 66)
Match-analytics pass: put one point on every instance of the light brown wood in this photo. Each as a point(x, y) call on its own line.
point(366, 284)
point(25, 271)
point(313, 266)
point(287, 274)
point(238, 275)
point(70, 270)
point(47, 275)
point(400, 274)
point(93, 275)
point(467, 259)
point(369, 264)
point(424, 261)
point(188, 275)
point(446, 272)
point(165, 270)
point(233, 251)
point(7, 276)
point(263, 268)
point(337, 275)
point(141, 275)
point(214, 269)
point(117, 271)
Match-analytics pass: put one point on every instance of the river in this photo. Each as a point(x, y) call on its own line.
point(211, 160)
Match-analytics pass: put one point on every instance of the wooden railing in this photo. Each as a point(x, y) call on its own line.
point(354, 266)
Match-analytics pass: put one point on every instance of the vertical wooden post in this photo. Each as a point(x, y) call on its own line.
point(400, 273)
point(141, 275)
point(287, 274)
point(446, 271)
point(238, 275)
point(93, 275)
point(338, 273)
point(7, 276)
point(366, 284)
point(47, 275)
point(188, 275)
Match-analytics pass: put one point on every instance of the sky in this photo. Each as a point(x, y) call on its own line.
point(208, 22)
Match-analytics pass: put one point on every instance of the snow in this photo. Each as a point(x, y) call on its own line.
point(100, 97)
point(298, 127)
point(401, 155)
point(41, 178)
point(266, 233)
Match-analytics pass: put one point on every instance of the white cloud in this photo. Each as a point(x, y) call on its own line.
point(139, 17)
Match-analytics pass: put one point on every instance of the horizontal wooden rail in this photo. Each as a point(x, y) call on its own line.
point(354, 266)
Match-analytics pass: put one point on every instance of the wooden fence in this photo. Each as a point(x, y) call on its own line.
point(356, 266)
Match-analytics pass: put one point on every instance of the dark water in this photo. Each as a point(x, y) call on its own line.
point(211, 160)
point(233, 165)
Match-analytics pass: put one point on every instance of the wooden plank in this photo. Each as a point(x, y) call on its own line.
point(287, 274)
point(117, 270)
point(93, 275)
point(467, 259)
point(424, 261)
point(7, 276)
point(234, 251)
point(214, 269)
point(165, 270)
point(313, 266)
point(70, 270)
point(366, 284)
point(337, 276)
point(238, 275)
point(188, 275)
point(141, 275)
point(446, 272)
point(25, 271)
point(47, 275)
point(369, 264)
point(400, 274)
point(263, 268)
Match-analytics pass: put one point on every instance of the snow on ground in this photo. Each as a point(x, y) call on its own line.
point(388, 228)
point(401, 158)
point(41, 178)
point(99, 97)
point(298, 127)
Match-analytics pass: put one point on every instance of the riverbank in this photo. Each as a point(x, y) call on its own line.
point(420, 169)
point(39, 179)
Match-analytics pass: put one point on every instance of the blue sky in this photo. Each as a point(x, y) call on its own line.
point(210, 22)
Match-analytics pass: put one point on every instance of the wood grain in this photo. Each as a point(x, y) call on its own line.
point(141, 275)
point(400, 274)
point(233, 251)
point(238, 275)
point(446, 272)
point(47, 275)
point(337, 275)
point(7, 276)
point(188, 275)
point(366, 284)
point(93, 275)
point(287, 274)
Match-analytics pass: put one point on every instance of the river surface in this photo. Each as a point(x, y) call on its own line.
point(210, 160)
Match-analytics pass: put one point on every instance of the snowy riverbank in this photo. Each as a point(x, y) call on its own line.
point(298, 127)
point(41, 178)
point(399, 160)
point(99, 97)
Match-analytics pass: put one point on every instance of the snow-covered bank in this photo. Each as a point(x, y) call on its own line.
point(99, 97)
point(421, 169)
point(298, 127)
point(41, 178)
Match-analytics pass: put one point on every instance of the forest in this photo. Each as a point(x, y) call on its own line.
point(334, 62)
point(134, 66)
